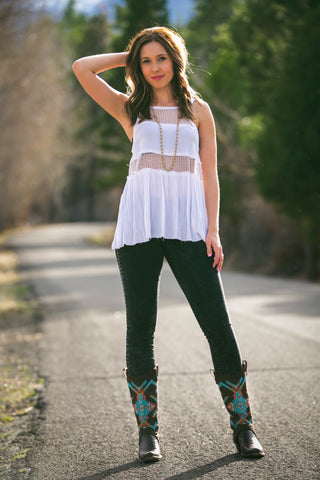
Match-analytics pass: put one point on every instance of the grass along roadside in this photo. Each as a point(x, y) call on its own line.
point(20, 384)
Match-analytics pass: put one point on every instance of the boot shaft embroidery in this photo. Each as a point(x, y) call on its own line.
point(143, 392)
point(144, 401)
point(235, 397)
point(234, 392)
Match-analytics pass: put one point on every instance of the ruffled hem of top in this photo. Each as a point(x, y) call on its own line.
point(157, 205)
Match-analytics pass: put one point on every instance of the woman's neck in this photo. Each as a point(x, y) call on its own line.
point(163, 99)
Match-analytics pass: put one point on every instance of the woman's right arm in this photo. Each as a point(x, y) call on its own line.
point(86, 70)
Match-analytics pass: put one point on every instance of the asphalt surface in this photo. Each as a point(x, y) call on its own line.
point(88, 429)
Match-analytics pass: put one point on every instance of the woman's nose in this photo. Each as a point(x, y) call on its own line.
point(155, 66)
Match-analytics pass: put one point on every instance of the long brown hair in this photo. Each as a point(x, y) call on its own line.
point(139, 90)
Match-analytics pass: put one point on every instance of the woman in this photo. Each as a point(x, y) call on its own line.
point(169, 209)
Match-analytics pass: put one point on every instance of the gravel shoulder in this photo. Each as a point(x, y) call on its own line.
point(21, 386)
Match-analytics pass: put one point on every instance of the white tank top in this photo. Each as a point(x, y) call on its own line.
point(159, 202)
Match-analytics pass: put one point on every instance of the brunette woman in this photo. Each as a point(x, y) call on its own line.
point(169, 209)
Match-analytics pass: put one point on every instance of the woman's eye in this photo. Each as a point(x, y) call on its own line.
point(163, 58)
point(145, 61)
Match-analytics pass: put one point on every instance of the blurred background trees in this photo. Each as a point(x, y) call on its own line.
point(32, 97)
point(279, 51)
point(63, 158)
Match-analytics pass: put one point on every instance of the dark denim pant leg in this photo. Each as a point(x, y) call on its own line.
point(140, 266)
point(202, 286)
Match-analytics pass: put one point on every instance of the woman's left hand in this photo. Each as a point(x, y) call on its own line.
point(213, 243)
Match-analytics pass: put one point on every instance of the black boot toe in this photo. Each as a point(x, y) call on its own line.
point(248, 445)
point(149, 448)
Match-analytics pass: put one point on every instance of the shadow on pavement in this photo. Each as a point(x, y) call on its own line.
point(112, 471)
point(196, 472)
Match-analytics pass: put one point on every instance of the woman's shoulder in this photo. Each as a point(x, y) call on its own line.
point(199, 105)
point(201, 109)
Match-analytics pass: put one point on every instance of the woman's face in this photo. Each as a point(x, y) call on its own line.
point(156, 65)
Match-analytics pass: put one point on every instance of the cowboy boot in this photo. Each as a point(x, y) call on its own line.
point(234, 392)
point(143, 392)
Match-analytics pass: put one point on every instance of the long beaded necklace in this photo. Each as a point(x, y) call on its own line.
point(161, 144)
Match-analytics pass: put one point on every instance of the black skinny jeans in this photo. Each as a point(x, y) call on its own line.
point(140, 266)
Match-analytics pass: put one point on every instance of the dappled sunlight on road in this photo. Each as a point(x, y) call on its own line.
point(72, 271)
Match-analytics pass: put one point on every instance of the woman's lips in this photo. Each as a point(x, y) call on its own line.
point(157, 77)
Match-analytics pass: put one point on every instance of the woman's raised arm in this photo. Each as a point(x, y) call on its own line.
point(86, 70)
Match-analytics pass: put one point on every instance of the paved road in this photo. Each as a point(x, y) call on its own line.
point(89, 432)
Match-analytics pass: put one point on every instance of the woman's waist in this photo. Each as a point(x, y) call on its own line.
point(165, 163)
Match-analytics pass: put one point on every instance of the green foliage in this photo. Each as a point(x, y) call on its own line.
point(262, 81)
point(209, 15)
point(224, 86)
point(283, 64)
point(133, 16)
point(227, 80)
point(97, 156)
point(249, 129)
point(261, 32)
point(280, 52)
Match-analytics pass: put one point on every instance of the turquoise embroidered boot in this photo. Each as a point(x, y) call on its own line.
point(144, 397)
point(234, 392)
